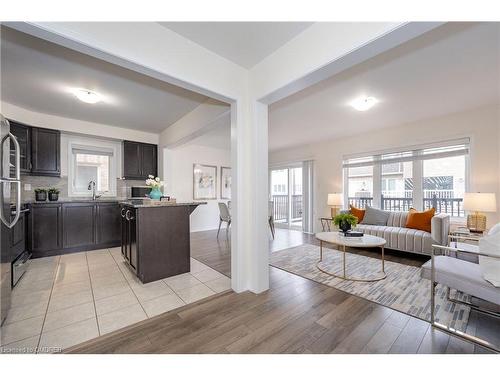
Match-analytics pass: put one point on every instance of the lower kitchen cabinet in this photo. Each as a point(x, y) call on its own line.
point(67, 227)
point(46, 229)
point(129, 236)
point(108, 223)
point(79, 225)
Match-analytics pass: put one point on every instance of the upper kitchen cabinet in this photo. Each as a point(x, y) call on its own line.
point(139, 160)
point(40, 149)
point(23, 134)
point(149, 160)
point(45, 152)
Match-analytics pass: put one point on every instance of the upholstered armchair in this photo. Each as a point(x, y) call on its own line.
point(472, 270)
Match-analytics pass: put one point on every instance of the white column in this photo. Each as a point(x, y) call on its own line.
point(249, 233)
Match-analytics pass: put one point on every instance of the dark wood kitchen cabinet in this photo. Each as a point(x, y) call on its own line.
point(45, 152)
point(79, 223)
point(149, 160)
point(131, 160)
point(129, 237)
point(23, 134)
point(45, 229)
point(108, 223)
point(67, 227)
point(139, 160)
point(40, 149)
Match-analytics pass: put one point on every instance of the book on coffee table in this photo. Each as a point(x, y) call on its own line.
point(351, 233)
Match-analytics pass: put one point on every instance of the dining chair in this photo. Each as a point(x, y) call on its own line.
point(224, 216)
point(271, 217)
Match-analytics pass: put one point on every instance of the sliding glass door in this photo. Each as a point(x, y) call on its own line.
point(286, 197)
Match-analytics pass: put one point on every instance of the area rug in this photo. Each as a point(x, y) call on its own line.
point(403, 289)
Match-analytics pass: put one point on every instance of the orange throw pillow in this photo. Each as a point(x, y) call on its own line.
point(359, 213)
point(420, 220)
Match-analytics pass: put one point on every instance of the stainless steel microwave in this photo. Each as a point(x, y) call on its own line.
point(140, 192)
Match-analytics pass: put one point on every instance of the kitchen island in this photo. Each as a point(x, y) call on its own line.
point(156, 238)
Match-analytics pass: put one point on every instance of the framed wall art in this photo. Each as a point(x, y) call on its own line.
point(204, 181)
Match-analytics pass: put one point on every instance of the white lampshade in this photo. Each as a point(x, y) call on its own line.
point(480, 202)
point(335, 199)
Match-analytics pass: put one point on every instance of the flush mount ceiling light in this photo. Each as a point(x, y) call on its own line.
point(87, 96)
point(363, 103)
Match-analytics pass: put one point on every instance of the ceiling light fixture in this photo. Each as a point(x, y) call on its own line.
point(364, 103)
point(87, 96)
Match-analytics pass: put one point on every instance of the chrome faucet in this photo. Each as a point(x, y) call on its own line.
point(92, 187)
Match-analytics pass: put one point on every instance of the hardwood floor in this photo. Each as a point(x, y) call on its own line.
point(295, 315)
point(216, 253)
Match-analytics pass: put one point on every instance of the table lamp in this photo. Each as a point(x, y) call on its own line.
point(479, 203)
point(335, 201)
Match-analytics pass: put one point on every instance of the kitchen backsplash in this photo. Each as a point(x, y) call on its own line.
point(123, 187)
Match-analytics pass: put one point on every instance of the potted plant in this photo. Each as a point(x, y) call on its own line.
point(345, 221)
point(155, 183)
point(41, 195)
point(53, 194)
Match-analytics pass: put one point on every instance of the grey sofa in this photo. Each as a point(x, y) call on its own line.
point(410, 240)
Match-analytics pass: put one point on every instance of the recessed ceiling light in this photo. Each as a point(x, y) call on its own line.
point(364, 103)
point(87, 96)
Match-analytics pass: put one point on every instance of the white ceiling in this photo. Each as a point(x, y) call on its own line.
point(451, 69)
point(244, 43)
point(36, 75)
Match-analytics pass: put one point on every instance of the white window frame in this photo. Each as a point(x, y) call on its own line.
point(417, 169)
point(90, 144)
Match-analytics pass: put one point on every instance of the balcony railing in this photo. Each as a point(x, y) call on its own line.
point(280, 207)
point(451, 206)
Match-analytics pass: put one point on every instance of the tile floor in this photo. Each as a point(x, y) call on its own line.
point(65, 300)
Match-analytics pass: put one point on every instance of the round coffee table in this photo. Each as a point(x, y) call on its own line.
point(336, 238)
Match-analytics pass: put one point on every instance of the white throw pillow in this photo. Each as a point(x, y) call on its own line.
point(490, 267)
point(494, 230)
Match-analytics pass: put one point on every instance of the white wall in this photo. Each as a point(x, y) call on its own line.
point(481, 125)
point(179, 180)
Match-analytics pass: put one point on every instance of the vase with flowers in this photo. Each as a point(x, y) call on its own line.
point(155, 184)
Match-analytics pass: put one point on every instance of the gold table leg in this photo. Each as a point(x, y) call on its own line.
point(344, 276)
point(343, 248)
point(383, 265)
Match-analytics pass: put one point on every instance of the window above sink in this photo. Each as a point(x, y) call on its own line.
point(92, 160)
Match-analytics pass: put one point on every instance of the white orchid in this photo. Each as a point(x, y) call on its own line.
point(154, 182)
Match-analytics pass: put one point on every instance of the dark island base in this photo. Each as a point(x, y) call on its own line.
point(156, 240)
